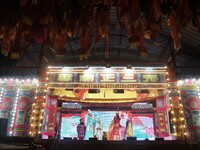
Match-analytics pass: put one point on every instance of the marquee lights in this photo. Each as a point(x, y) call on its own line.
point(104, 69)
point(17, 84)
point(177, 108)
point(37, 113)
point(188, 84)
point(14, 111)
point(1, 94)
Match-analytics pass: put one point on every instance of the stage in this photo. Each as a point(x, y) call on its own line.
point(118, 145)
point(51, 144)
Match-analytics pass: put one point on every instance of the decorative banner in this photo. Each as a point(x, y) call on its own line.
point(191, 104)
point(23, 110)
point(6, 107)
point(21, 125)
point(111, 75)
point(162, 102)
point(194, 105)
point(107, 85)
point(161, 123)
point(17, 97)
point(50, 112)
point(108, 77)
point(162, 114)
point(156, 122)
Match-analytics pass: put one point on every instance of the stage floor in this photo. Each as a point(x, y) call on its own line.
point(13, 147)
point(117, 145)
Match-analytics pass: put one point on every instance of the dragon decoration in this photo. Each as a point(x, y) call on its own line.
point(53, 22)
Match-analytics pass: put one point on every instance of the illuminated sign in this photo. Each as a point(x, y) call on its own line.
point(142, 106)
point(99, 77)
point(107, 85)
point(130, 77)
point(71, 105)
point(65, 77)
point(86, 77)
point(107, 78)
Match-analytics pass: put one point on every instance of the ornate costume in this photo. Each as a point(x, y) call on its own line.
point(99, 130)
point(90, 126)
point(116, 132)
point(129, 128)
point(81, 131)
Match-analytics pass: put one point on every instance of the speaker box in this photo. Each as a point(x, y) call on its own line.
point(93, 139)
point(3, 126)
point(159, 139)
point(132, 138)
point(67, 138)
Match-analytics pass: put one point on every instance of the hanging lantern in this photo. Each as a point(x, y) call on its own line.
point(175, 30)
point(102, 26)
point(17, 43)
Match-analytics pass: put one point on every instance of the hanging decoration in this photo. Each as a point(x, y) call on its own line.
point(102, 25)
point(53, 22)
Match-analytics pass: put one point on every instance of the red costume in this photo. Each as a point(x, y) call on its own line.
point(116, 133)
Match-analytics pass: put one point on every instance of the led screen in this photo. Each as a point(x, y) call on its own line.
point(105, 124)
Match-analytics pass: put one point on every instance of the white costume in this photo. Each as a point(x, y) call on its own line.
point(99, 130)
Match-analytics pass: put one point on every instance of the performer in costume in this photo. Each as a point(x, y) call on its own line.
point(90, 126)
point(116, 132)
point(99, 130)
point(81, 130)
point(129, 127)
point(110, 129)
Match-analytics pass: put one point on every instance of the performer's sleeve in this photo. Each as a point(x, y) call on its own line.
point(85, 130)
point(77, 128)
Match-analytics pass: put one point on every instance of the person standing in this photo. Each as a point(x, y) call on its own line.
point(129, 127)
point(81, 130)
point(90, 125)
point(99, 130)
point(116, 132)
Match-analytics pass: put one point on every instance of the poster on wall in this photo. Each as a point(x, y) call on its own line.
point(20, 117)
point(6, 107)
point(196, 118)
point(4, 114)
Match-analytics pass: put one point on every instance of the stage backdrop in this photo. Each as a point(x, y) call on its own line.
point(142, 124)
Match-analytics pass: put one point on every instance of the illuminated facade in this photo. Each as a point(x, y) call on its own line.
point(34, 108)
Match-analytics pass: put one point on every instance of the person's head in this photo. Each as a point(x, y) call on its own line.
point(99, 120)
point(81, 120)
point(117, 114)
point(90, 113)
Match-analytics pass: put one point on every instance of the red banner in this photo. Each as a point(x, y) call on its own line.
point(21, 124)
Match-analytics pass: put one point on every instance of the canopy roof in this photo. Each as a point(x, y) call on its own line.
point(44, 27)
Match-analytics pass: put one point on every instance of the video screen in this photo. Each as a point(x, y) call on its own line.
point(110, 125)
